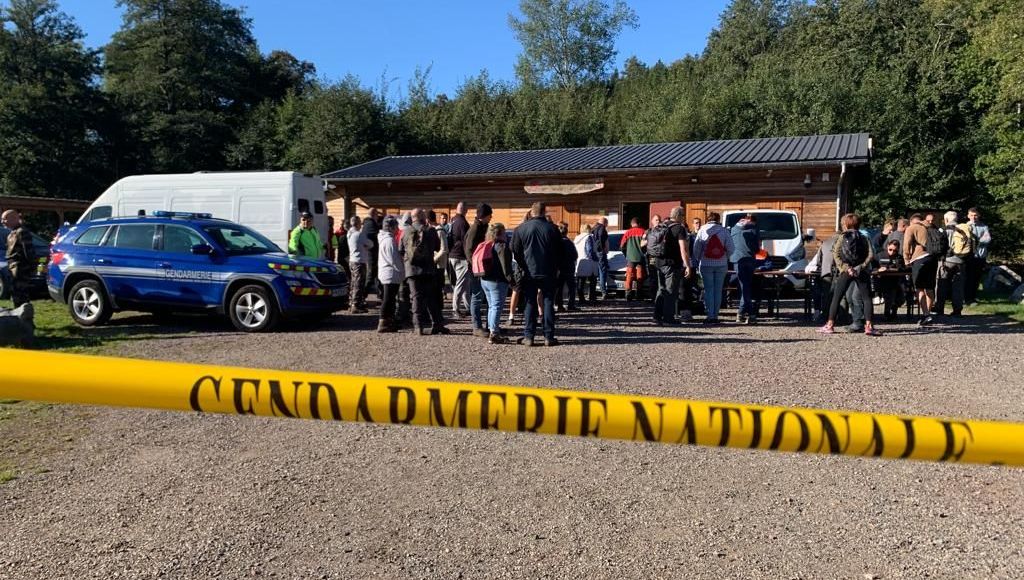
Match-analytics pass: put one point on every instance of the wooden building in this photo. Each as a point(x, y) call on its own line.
point(809, 175)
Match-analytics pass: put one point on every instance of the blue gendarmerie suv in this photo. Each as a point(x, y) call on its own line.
point(171, 262)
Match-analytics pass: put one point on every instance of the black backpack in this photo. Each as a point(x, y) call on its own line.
point(658, 240)
point(853, 248)
point(938, 242)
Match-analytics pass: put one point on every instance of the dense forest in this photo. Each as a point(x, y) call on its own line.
point(183, 86)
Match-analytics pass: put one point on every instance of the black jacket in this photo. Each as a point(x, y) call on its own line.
point(370, 228)
point(456, 238)
point(567, 265)
point(537, 248)
point(474, 236)
point(500, 268)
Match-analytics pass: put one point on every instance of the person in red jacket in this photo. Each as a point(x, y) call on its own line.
point(632, 247)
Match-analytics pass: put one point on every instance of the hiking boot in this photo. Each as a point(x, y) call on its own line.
point(480, 332)
point(740, 318)
point(526, 341)
point(926, 321)
point(421, 331)
point(497, 339)
point(551, 342)
point(440, 330)
point(386, 326)
point(752, 319)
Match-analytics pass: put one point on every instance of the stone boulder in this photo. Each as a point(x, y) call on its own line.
point(1001, 279)
point(17, 327)
point(1018, 295)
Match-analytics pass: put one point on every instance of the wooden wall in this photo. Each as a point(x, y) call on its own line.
point(698, 193)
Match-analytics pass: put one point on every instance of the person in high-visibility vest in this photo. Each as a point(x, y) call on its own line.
point(305, 240)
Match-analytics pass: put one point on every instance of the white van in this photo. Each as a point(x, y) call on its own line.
point(268, 202)
point(780, 237)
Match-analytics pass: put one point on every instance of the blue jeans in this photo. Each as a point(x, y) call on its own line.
point(476, 301)
point(528, 290)
point(714, 281)
point(496, 293)
point(603, 269)
point(745, 277)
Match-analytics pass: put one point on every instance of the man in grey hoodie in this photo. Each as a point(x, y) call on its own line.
point(746, 241)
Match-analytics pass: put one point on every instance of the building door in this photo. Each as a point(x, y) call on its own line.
point(640, 211)
point(663, 208)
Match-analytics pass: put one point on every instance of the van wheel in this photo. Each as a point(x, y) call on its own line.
point(89, 304)
point(252, 309)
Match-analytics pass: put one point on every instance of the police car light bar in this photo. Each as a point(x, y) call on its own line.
point(183, 214)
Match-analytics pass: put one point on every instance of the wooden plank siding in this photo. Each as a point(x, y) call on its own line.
point(718, 191)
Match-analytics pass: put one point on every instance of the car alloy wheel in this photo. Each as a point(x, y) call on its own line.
point(251, 310)
point(87, 304)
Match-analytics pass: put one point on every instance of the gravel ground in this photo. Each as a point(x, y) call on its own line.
point(146, 494)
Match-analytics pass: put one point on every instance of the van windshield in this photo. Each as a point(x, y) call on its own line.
point(773, 225)
point(236, 239)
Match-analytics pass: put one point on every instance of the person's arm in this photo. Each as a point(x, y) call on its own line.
point(908, 251)
point(730, 244)
point(866, 264)
point(293, 241)
point(837, 256)
point(698, 248)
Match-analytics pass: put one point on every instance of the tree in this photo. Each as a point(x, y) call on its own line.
point(179, 72)
point(50, 107)
point(568, 42)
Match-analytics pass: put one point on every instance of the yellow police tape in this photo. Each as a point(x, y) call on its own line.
point(65, 378)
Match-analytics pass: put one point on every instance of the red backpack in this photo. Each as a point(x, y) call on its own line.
point(483, 255)
point(714, 249)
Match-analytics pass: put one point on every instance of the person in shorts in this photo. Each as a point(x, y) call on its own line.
point(923, 266)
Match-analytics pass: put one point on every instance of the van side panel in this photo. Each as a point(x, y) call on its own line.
point(218, 201)
point(265, 210)
point(133, 200)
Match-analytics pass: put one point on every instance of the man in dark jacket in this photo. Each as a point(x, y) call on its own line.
point(474, 236)
point(537, 249)
point(458, 260)
point(419, 242)
point(371, 226)
point(566, 270)
point(21, 258)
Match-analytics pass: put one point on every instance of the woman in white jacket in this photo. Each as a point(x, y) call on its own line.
point(390, 272)
point(586, 265)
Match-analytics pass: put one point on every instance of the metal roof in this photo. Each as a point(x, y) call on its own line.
point(853, 148)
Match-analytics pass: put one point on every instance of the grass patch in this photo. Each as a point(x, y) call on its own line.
point(999, 307)
point(55, 330)
point(7, 474)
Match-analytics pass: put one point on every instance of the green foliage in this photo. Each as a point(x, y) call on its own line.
point(50, 109)
point(568, 42)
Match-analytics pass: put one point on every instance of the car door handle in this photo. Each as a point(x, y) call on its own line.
point(165, 265)
point(102, 261)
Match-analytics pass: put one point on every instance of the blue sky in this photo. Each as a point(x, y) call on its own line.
point(389, 38)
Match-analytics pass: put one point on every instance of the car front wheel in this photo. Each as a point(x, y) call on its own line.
point(252, 309)
point(89, 304)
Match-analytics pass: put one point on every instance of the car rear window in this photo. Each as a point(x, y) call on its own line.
point(91, 236)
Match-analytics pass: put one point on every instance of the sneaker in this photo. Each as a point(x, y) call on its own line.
point(481, 332)
point(526, 341)
point(926, 321)
point(551, 342)
point(826, 330)
point(851, 329)
point(872, 332)
point(497, 339)
point(440, 330)
point(751, 320)
point(421, 331)
point(511, 320)
point(740, 319)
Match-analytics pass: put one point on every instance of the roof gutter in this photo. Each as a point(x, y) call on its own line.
point(615, 171)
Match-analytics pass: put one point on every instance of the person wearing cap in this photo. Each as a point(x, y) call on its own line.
point(305, 240)
point(474, 237)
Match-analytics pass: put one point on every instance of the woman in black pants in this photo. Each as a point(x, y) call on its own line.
point(852, 255)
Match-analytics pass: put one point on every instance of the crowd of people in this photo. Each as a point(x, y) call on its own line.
point(412, 261)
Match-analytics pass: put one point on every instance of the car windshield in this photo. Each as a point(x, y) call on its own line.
point(773, 226)
point(236, 239)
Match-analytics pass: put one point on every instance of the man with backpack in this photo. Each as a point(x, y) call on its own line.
point(921, 252)
point(667, 245)
point(952, 269)
point(420, 242)
point(474, 236)
point(711, 250)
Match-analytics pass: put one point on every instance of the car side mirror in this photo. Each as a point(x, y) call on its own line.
point(202, 250)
